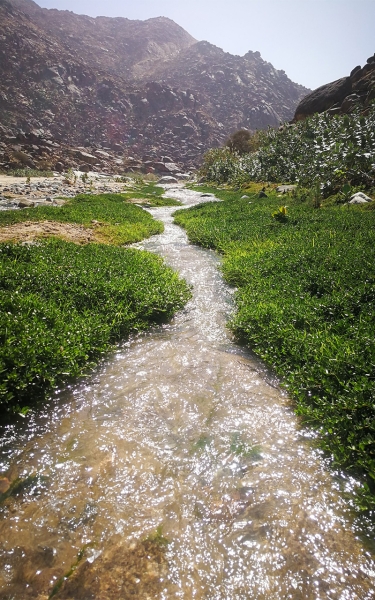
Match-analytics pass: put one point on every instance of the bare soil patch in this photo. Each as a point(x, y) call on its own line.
point(9, 179)
point(30, 230)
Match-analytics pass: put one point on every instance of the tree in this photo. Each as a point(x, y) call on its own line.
point(239, 141)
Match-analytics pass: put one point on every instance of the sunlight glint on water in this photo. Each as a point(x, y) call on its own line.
point(179, 429)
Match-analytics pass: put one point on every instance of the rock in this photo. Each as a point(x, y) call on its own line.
point(102, 154)
point(349, 103)
point(144, 87)
point(86, 157)
point(262, 194)
point(336, 110)
point(244, 197)
point(171, 167)
point(359, 198)
point(159, 167)
point(285, 188)
point(4, 485)
point(24, 203)
point(323, 98)
point(168, 179)
point(355, 71)
point(341, 96)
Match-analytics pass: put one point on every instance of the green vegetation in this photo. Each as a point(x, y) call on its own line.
point(20, 485)
point(150, 192)
point(63, 305)
point(157, 537)
point(306, 304)
point(329, 150)
point(116, 221)
point(241, 447)
point(59, 583)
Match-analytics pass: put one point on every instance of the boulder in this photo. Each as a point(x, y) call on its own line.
point(168, 179)
point(171, 167)
point(84, 168)
point(86, 157)
point(359, 198)
point(341, 96)
point(349, 103)
point(159, 167)
point(102, 154)
point(285, 188)
point(323, 98)
point(24, 203)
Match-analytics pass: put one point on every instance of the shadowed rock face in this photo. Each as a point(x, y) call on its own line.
point(341, 96)
point(137, 88)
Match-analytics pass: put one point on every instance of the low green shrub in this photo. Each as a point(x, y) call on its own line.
point(305, 304)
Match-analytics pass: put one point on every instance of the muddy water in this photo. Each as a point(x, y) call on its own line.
point(179, 437)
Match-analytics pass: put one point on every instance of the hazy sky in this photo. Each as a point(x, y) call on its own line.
point(313, 41)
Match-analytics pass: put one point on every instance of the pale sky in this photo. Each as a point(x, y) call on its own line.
point(313, 41)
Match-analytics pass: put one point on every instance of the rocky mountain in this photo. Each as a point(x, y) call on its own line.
point(343, 95)
point(83, 92)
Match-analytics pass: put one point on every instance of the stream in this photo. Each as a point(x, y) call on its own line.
point(177, 470)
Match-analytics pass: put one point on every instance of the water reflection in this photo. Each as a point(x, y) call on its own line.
point(178, 471)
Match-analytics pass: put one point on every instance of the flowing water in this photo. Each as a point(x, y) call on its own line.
point(180, 437)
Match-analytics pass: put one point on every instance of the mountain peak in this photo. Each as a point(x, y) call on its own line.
point(145, 87)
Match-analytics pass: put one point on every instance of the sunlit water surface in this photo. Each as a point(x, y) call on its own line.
point(179, 436)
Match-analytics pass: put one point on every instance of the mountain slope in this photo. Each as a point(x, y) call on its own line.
point(142, 88)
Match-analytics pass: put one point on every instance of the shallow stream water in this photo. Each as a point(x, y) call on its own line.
point(177, 470)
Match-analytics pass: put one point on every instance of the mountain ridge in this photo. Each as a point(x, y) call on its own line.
point(143, 89)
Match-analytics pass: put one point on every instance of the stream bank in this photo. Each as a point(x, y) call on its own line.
point(178, 470)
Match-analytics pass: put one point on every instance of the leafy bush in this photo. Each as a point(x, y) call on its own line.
point(220, 165)
point(330, 150)
point(62, 306)
point(306, 304)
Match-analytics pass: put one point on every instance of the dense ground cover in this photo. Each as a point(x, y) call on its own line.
point(116, 220)
point(62, 306)
point(324, 150)
point(149, 191)
point(306, 292)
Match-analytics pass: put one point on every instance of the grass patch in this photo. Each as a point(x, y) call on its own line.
point(63, 306)
point(150, 192)
point(305, 304)
point(116, 221)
